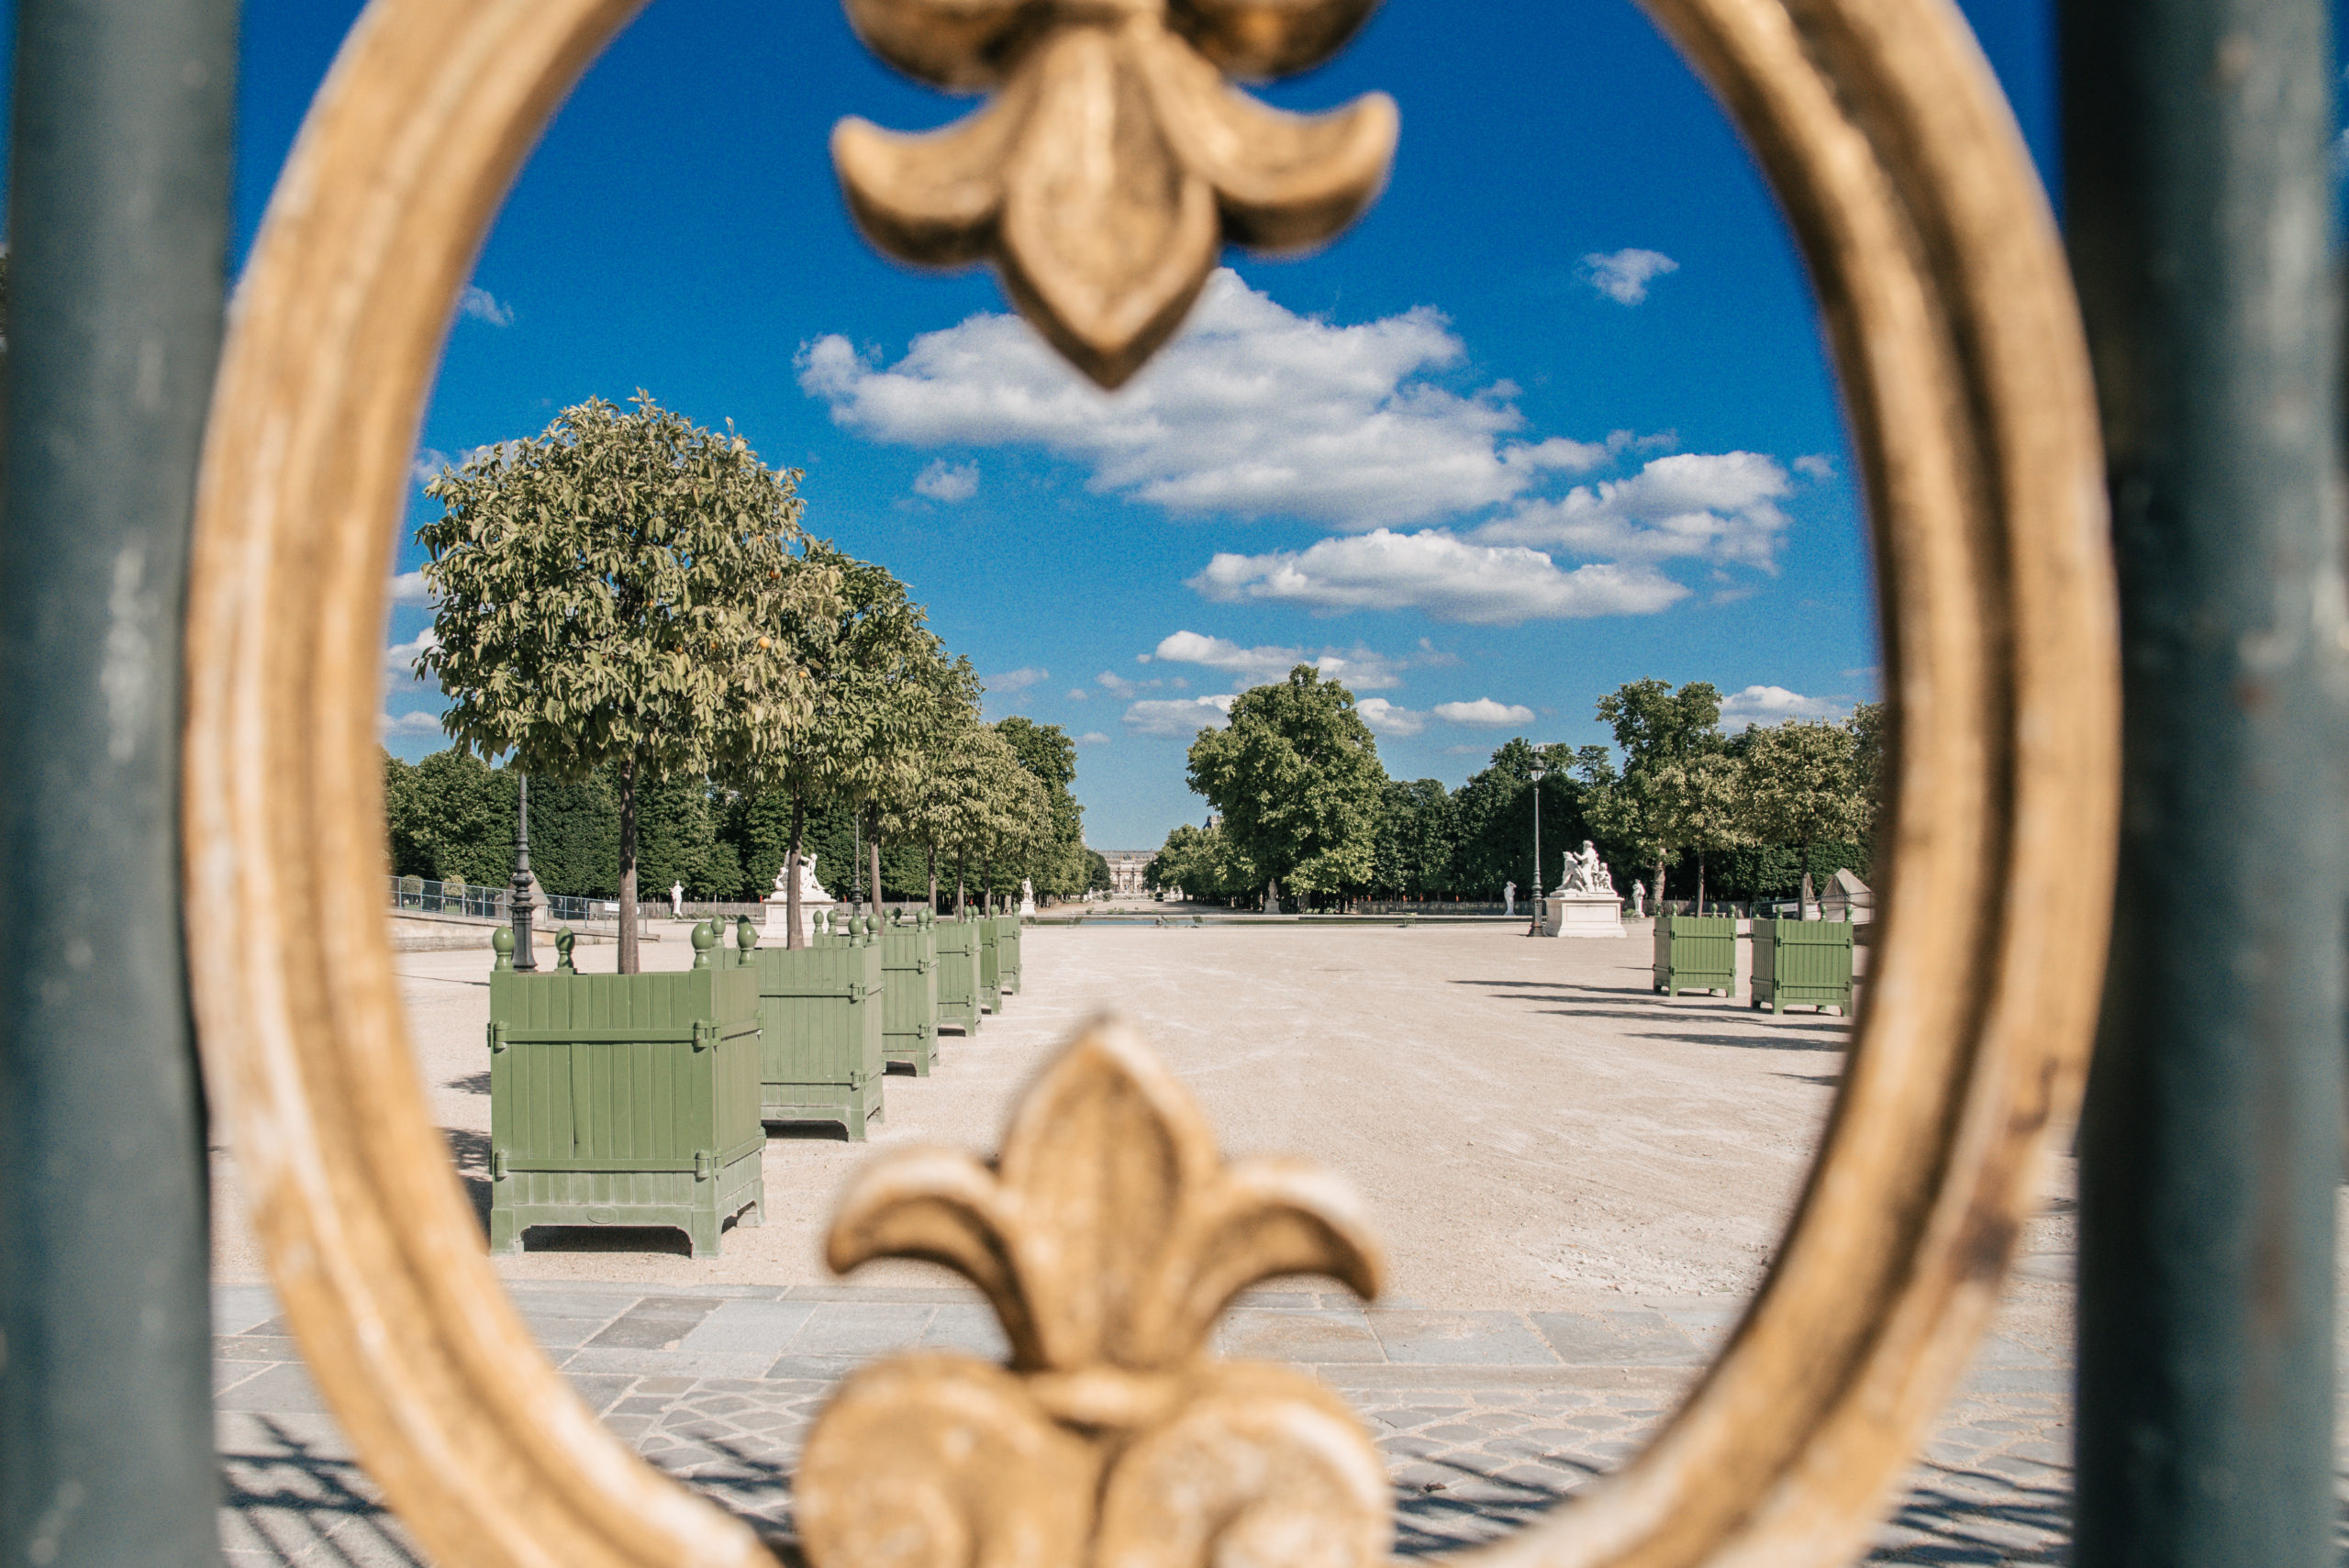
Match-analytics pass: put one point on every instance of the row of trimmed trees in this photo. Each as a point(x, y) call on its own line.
point(629, 602)
point(1305, 810)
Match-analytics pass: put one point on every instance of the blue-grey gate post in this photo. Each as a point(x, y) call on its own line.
point(2198, 202)
point(118, 223)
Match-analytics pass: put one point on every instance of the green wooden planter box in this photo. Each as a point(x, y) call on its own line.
point(990, 929)
point(819, 1029)
point(624, 1099)
point(1007, 962)
point(909, 1001)
point(1696, 952)
point(1802, 963)
point(958, 974)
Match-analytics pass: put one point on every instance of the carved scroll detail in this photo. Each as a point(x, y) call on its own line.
point(1113, 162)
point(1108, 1235)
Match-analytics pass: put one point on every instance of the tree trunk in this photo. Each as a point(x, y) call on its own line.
point(961, 892)
point(1700, 881)
point(1659, 884)
point(628, 959)
point(986, 892)
point(793, 936)
point(874, 839)
point(932, 848)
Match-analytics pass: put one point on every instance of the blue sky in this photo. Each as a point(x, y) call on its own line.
point(1360, 457)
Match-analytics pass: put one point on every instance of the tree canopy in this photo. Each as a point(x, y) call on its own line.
point(606, 595)
point(1296, 777)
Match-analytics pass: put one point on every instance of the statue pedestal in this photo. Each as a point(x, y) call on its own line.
point(812, 898)
point(1584, 915)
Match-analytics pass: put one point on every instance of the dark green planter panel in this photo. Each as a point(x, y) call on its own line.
point(909, 1003)
point(820, 1021)
point(1802, 963)
point(958, 974)
point(990, 930)
point(1006, 960)
point(1696, 952)
point(624, 1099)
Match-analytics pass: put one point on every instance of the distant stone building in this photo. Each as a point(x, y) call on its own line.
point(1126, 867)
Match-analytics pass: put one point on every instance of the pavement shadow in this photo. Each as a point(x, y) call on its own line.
point(1559, 985)
point(1943, 1518)
point(474, 1084)
point(470, 1150)
point(300, 1507)
point(755, 1490)
point(1475, 1505)
point(1780, 1036)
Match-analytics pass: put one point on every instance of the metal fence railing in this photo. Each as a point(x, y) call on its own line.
point(424, 897)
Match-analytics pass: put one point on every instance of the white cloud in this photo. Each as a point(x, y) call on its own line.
point(1482, 711)
point(408, 588)
point(388, 725)
point(1017, 680)
point(952, 483)
point(1093, 738)
point(1622, 275)
point(1440, 573)
point(1816, 465)
point(1385, 718)
point(1077, 693)
point(1251, 411)
point(400, 657)
point(482, 306)
point(426, 466)
point(1179, 715)
point(1361, 668)
point(1769, 705)
point(1715, 507)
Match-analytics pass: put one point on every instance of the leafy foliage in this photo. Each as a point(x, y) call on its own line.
point(610, 593)
point(1296, 777)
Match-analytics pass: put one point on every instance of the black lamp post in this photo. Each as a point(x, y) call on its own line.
point(523, 957)
point(1539, 898)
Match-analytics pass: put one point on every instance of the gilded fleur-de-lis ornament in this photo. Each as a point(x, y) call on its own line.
point(1108, 1235)
point(1113, 161)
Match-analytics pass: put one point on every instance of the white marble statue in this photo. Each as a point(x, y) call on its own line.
point(1640, 899)
point(677, 900)
point(1508, 899)
point(1586, 872)
point(1026, 897)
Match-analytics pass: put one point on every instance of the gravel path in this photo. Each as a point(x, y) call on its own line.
point(1577, 1182)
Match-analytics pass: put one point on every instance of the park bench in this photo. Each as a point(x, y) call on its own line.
point(1802, 963)
point(1696, 952)
point(623, 1099)
point(819, 1023)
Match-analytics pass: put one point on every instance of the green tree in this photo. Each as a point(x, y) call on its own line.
point(1494, 812)
point(1418, 834)
point(922, 796)
point(1057, 863)
point(1297, 778)
point(1804, 785)
point(857, 651)
point(1200, 862)
point(1654, 727)
point(451, 818)
point(1699, 803)
point(606, 592)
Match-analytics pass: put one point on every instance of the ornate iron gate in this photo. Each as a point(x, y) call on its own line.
point(2196, 133)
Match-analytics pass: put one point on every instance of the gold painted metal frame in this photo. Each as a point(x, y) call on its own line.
point(1949, 311)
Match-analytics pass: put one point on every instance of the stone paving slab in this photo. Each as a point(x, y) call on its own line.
point(1485, 1418)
